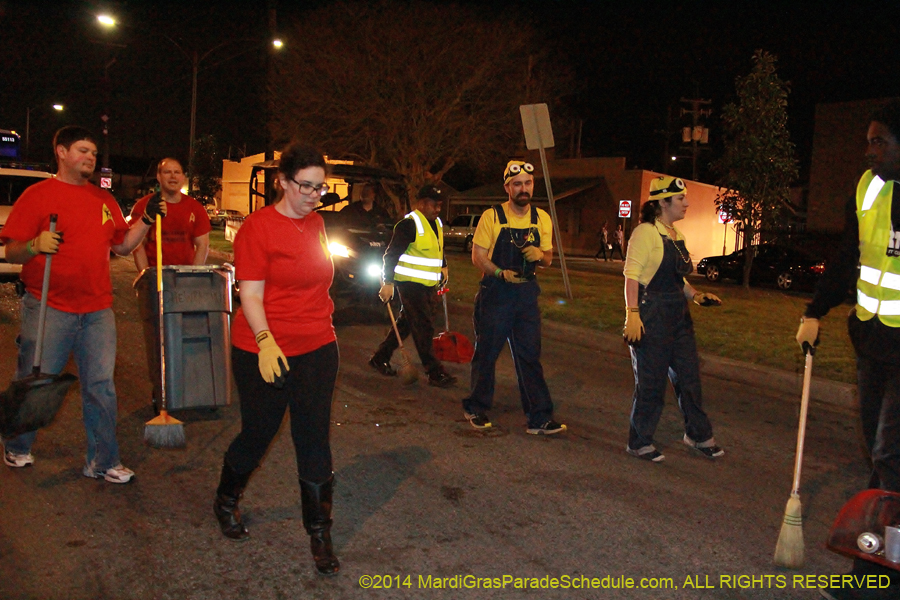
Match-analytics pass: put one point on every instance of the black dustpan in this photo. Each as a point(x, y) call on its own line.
point(33, 401)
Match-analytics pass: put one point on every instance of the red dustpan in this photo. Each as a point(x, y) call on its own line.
point(451, 346)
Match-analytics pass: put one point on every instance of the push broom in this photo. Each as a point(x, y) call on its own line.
point(408, 372)
point(163, 431)
point(789, 549)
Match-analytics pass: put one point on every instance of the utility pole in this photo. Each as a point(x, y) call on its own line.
point(696, 134)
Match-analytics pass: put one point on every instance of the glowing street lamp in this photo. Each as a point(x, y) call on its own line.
point(57, 107)
point(106, 20)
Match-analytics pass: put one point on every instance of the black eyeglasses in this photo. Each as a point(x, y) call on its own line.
point(308, 189)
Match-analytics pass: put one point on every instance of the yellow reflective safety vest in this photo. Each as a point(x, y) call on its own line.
point(423, 259)
point(878, 286)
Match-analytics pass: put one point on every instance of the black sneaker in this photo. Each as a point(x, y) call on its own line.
point(382, 366)
point(478, 420)
point(549, 428)
point(441, 379)
point(646, 453)
point(707, 448)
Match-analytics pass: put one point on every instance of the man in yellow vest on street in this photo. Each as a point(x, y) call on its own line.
point(871, 239)
point(414, 264)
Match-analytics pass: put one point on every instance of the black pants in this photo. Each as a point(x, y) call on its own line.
point(509, 313)
point(603, 249)
point(415, 317)
point(307, 393)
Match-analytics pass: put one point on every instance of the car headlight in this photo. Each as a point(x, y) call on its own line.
point(374, 270)
point(337, 249)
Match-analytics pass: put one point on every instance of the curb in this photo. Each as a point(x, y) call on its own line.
point(825, 391)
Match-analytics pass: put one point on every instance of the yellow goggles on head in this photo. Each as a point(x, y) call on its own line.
point(514, 167)
point(665, 187)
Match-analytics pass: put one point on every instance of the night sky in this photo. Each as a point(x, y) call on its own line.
point(632, 62)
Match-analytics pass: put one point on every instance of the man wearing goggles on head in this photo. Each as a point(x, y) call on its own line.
point(512, 239)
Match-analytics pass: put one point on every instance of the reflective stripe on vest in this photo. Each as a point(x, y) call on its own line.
point(423, 259)
point(878, 286)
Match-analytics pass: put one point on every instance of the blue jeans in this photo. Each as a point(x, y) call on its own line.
point(92, 339)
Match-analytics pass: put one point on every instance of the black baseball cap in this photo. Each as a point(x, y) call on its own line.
point(430, 192)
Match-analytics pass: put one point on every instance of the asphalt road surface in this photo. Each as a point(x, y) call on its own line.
point(425, 506)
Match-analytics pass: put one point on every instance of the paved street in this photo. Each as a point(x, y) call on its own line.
point(421, 496)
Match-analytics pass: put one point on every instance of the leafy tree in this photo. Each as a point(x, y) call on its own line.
point(206, 169)
point(758, 165)
point(407, 85)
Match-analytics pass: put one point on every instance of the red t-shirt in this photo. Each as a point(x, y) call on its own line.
point(90, 221)
point(183, 222)
point(291, 256)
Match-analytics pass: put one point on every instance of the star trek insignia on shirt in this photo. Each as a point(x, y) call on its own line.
point(191, 220)
point(107, 215)
point(324, 243)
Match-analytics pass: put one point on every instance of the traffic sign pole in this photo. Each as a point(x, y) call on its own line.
point(539, 135)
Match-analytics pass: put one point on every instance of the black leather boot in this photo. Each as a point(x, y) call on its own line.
point(231, 486)
point(316, 500)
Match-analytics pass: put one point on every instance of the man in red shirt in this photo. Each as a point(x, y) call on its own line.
point(80, 318)
point(185, 229)
point(185, 236)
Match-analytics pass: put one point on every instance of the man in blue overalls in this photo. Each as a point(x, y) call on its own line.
point(511, 240)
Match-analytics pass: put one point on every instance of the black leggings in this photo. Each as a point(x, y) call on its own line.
point(307, 391)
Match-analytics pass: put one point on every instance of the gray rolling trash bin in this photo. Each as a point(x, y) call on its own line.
point(197, 313)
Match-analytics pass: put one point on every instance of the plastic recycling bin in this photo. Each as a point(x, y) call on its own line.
point(197, 306)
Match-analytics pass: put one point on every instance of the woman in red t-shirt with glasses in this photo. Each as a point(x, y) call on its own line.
point(285, 354)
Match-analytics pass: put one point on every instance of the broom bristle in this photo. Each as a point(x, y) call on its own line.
point(408, 373)
point(164, 432)
point(789, 549)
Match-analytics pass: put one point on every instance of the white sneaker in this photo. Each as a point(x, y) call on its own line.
point(117, 474)
point(17, 460)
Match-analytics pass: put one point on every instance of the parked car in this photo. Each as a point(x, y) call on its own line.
point(461, 232)
point(786, 266)
point(216, 216)
point(14, 178)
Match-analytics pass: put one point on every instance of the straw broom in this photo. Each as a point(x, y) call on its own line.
point(163, 431)
point(789, 549)
point(408, 372)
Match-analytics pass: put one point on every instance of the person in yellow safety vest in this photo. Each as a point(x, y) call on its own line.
point(871, 238)
point(414, 264)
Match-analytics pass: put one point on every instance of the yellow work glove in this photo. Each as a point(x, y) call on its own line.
point(511, 277)
point(47, 242)
point(704, 299)
point(532, 253)
point(272, 361)
point(634, 327)
point(386, 292)
point(808, 333)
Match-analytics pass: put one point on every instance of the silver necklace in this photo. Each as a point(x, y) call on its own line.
point(675, 242)
point(299, 229)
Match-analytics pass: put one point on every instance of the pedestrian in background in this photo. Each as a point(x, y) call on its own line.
point(870, 240)
point(80, 320)
point(285, 353)
point(618, 243)
point(604, 243)
point(658, 324)
point(512, 239)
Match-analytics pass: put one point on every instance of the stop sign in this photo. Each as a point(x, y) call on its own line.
point(625, 208)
